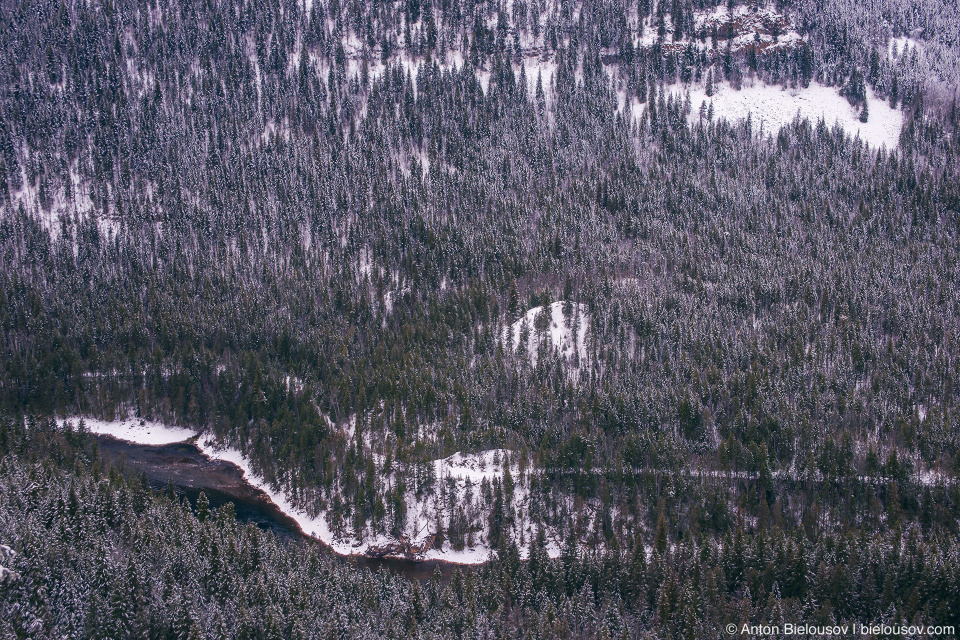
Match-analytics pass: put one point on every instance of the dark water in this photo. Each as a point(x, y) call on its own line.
point(182, 467)
point(189, 472)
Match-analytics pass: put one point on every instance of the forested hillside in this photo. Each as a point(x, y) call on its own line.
point(350, 239)
point(118, 560)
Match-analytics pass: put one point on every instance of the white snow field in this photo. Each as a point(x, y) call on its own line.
point(903, 46)
point(559, 331)
point(133, 430)
point(772, 107)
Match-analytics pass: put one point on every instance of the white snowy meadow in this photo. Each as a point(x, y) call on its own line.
point(772, 107)
point(562, 327)
point(135, 430)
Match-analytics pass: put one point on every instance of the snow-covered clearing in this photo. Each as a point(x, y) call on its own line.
point(421, 514)
point(474, 467)
point(902, 46)
point(470, 470)
point(772, 107)
point(745, 26)
point(566, 332)
point(135, 430)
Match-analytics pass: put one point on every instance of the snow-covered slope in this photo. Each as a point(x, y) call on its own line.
point(564, 333)
point(134, 430)
point(903, 46)
point(466, 471)
point(744, 26)
point(314, 526)
point(771, 107)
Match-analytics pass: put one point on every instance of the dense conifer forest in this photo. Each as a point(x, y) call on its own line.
point(119, 560)
point(321, 233)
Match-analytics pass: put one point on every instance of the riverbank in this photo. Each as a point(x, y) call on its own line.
point(415, 546)
point(186, 468)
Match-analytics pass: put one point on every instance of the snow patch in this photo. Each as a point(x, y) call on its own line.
point(567, 335)
point(134, 430)
point(745, 26)
point(772, 107)
point(476, 466)
point(902, 46)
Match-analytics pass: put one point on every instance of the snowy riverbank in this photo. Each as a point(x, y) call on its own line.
point(462, 468)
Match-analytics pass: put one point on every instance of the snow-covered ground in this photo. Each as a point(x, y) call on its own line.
point(462, 468)
point(474, 467)
point(567, 336)
point(746, 25)
point(772, 107)
point(78, 204)
point(467, 472)
point(312, 526)
point(902, 46)
point(134, 430)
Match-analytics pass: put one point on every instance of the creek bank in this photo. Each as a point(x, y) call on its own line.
point(183, 466)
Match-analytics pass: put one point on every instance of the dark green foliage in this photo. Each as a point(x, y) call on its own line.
point(101, 556)
point(268, 236)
